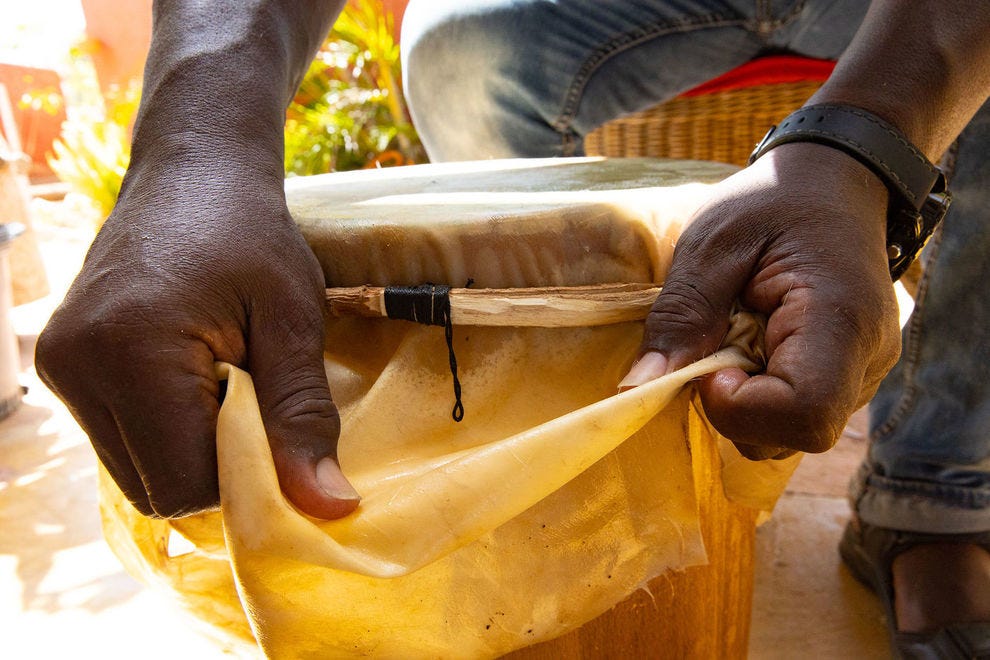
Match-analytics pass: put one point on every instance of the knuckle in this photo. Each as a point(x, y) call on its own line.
point(176, 489)
point(681, 304)
point(818, 443)
point(808, 422)
point(48, 355)
point(890, 343)
point(308, 404)
point(816, 428)
point(682, 313)
point(303, 421)
point(176, 503)
point(63, 349)
point(762, 452)
point(141, 503)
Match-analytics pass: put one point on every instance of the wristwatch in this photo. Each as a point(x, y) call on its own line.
point(919, 197)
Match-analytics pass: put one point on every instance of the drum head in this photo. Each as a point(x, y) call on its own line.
point(501, 223)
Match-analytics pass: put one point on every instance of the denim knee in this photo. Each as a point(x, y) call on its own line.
point(466, 82)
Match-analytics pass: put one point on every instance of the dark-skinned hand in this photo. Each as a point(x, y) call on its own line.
point(799, 237)
point(197, 265)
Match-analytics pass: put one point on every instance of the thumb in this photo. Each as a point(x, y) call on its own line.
point(687, 322)
point(285, 357)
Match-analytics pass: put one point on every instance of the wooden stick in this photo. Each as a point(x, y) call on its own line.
point(546, 307)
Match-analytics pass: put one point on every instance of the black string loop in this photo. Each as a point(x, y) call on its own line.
point(428, 304)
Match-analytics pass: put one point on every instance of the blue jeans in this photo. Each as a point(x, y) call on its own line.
point(529, 78)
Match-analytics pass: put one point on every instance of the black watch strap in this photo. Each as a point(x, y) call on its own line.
point(918, 194)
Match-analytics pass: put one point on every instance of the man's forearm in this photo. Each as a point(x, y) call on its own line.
point(220, 74)
point(923, 65)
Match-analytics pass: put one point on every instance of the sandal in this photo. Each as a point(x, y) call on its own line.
point(869, 553)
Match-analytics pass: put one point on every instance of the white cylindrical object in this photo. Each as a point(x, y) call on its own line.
point(10, 387)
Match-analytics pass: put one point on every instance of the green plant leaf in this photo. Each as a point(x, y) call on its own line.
point(349, 109)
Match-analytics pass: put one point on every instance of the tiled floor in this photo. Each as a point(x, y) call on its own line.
point(62, 592)
point(805, 603)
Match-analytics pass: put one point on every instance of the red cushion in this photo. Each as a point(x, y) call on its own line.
point(767, 71)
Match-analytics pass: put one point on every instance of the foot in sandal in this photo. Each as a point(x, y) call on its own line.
point(935, 588)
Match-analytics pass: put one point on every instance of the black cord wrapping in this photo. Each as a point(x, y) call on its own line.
point(428, 304)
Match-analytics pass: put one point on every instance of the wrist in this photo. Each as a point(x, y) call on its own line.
point(918, 197)
point(184, 188)
point(199, 155)
point(208, 150)
point(210, 107)
point(922, 66)
point(204, 162)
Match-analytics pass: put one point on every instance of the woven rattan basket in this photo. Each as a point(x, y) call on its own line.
point(721, 126)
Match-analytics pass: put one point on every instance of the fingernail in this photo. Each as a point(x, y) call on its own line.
point(649, 367)
point(333, 482)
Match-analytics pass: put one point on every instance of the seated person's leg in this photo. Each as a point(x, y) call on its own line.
point(496, 79)
point(928, 469)
point(928, 472)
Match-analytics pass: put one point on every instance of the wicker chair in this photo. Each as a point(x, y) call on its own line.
point(721, 125)
point(721, 120)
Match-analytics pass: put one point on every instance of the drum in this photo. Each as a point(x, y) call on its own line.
point(481, 316)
